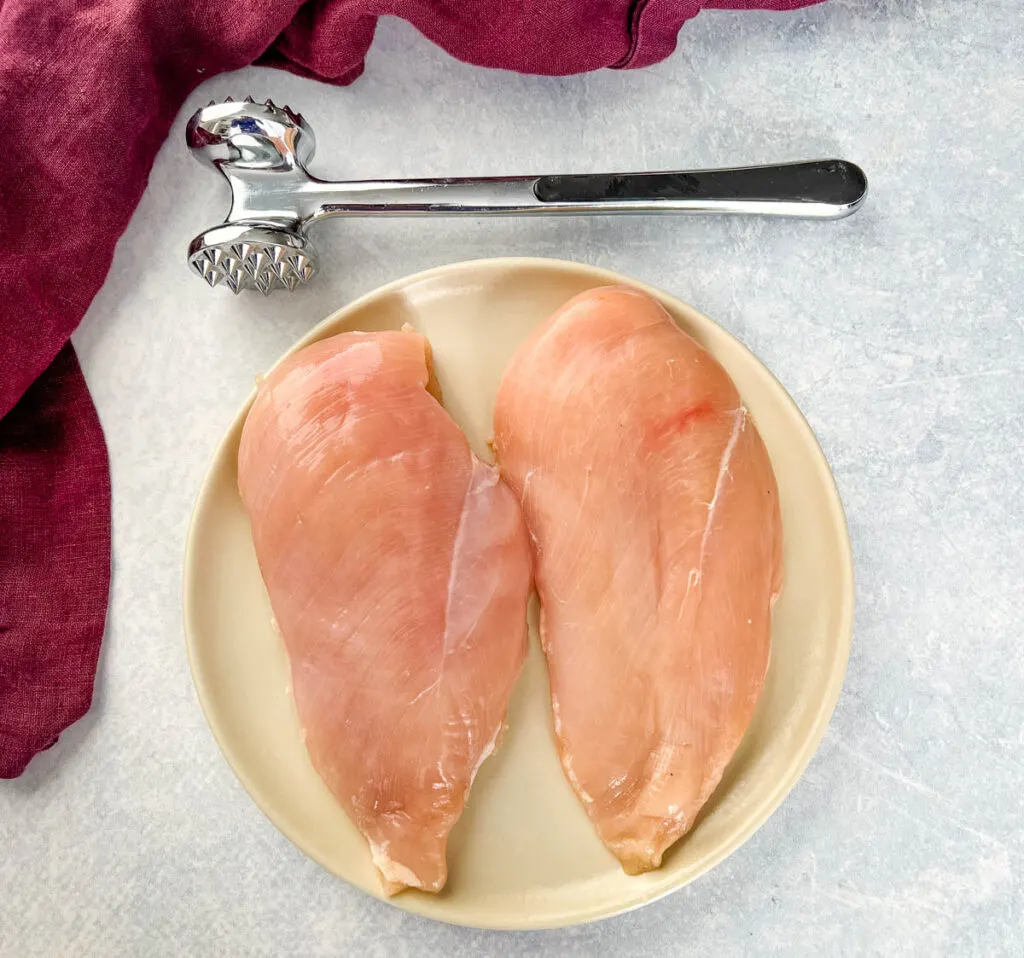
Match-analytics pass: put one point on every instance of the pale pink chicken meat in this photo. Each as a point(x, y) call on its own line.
point(653, 511)
point(398, 569)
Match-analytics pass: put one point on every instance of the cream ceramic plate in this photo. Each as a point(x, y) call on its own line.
point(523, 854)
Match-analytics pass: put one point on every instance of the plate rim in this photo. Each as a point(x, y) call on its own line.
point(783, 784)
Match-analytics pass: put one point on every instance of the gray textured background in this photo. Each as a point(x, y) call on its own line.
point(898, 331)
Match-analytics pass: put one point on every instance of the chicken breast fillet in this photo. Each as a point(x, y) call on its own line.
point(398, 568)
point(654, 516)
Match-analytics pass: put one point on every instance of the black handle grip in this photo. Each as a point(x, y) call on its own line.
point(834, 182)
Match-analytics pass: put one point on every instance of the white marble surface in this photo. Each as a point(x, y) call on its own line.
point(899, 332)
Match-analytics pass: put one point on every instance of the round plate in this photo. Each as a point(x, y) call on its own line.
point(524, 854)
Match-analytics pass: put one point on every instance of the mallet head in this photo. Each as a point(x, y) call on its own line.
point(262, 150)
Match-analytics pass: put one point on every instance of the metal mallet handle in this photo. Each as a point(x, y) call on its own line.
point(821, 189)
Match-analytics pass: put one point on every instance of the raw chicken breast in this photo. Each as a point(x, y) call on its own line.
point(398, 568)
point(654, 515)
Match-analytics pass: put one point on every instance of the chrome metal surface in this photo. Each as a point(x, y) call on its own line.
point(252, 257)
point(263, 150)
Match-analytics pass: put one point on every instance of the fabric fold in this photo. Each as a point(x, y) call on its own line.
point(54, 560)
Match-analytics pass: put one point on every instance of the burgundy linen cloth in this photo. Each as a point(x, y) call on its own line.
point(54, 560)
point(90, 89)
